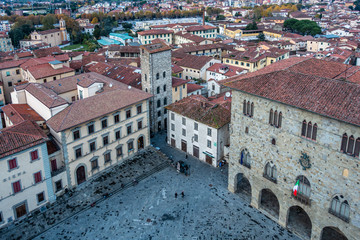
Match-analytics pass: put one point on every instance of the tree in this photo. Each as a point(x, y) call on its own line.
point(261, 37)
point(220, 17)
point(94, 20)
point(48, 21)
point(127, 25)
point(251, 26)
point(96, 32)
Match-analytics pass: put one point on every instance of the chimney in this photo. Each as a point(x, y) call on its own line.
point(203, 16)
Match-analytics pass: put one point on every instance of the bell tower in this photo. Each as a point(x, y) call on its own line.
point(156, 79)
point(63, 31)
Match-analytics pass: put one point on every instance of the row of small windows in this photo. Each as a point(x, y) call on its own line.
point(157, 76)
point(159, 102)
point(104, 122)
point(275, 118)
point(248, 108)
point(308, 130)
point(339, 206)
point(158, 89)
point(350, 146)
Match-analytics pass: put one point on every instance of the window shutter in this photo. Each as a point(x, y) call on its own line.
point(314, 132)
point(357, 147)
point(351, 145)
point(303, 129)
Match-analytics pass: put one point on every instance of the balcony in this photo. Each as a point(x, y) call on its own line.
point(57, 171)
point(302, 198)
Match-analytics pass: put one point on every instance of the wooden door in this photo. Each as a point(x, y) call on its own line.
point(80, 175)
point(173, 142)
point(195, 151)
point(141, 143)
point(183, 146)
point(208, 159)
point(20, 210)
point(53, 165)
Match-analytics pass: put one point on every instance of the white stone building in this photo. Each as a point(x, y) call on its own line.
point(199, 127)
point(25, 171)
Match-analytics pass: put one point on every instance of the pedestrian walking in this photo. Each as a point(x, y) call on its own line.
point(182, 194)
point(176, 195)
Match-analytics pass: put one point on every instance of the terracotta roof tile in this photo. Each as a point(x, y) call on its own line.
point(202, 110)
point(192, 87)
point(79, 112)
point(20, 112)
point(44, 52)
point(194, 62)
point(178, 81)
point(19, 137)
point(305, 86)
point(155, 31)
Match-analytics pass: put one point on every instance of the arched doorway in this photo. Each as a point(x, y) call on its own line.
point(243, 187)
point(299, 222)
point(140, 143)
point(269, 202)
point(80, 175)
point(332, 233)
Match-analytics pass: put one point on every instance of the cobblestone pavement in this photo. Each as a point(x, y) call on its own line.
point(89, 193)
point(150, 210)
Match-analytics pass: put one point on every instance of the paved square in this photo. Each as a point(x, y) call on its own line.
point(150, 210)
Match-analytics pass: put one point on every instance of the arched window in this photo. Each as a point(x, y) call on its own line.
point(164, 74)
point(303, 129)
point(146, 90)
point(350, 147)
point(165, 101)
point(252, 110)
point(309, 130)
point(304, 186)
point(248, 108)
point(275, 118)
point(280, 120)
point(271, 117)
point(158, 103)
point(313, 137)
point(340, 208)
point(345, 210)
point(158, 90)
point(245, 158)
point(157, 76)
point(273, 141)
point(270, 172)
point(244, 107)
point(164, 88)
point(335, 205)
point(344, 143)
point(357, 148)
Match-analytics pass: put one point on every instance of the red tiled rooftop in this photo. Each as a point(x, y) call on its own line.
point(202, 110)
point(20, 112)
point(178, 81)
point(192, 87)
point(20, 137)
point(155, 32)
point(307, 83)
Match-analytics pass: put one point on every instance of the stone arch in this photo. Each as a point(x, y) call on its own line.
point(80, 173)
point(269, 202)
point(299, 222)
point(242, 187)
point(332, 233)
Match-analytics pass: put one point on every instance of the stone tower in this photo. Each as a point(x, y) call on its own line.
point(62, 24)
point(156, 79)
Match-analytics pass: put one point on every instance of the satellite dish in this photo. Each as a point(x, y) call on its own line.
point(227, 94)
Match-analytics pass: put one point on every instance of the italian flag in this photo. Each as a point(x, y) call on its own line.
point(295, 188)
